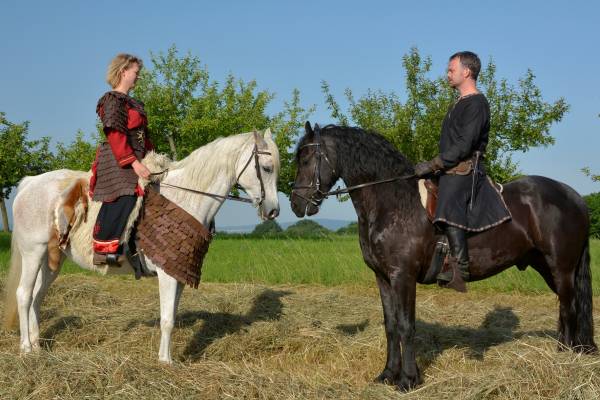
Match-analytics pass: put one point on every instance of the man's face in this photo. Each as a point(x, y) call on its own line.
point(457, 73)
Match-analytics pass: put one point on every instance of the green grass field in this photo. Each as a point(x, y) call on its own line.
point(336, 260)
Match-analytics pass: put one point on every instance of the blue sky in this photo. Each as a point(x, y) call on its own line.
point(54, 56)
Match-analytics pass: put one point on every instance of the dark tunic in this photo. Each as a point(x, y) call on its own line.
point(464, 131)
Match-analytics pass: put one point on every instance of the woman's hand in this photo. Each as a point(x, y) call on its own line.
point(140, 169)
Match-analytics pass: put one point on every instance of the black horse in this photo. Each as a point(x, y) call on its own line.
point(548, 231)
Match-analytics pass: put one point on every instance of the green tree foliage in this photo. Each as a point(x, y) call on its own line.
point(593, 203)
point(186, 109)
point(268, 227)
point(307, 228)
point(520, 119)
point(19, 157)
point(350, 229)
point(588, 172)
point(77, 155)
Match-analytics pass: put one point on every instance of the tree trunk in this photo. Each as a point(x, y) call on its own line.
point(172, 146)
point(4, 215)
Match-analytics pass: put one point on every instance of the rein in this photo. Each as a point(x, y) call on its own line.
point(254, 155)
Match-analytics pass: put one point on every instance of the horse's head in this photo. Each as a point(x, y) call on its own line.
point(315, 171)
point(257, 171)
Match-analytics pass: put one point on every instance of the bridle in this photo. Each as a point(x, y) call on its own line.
point(318, 195)
point(315, 183)
point(255, 153)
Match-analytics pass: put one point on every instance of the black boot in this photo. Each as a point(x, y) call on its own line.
point(459, 260)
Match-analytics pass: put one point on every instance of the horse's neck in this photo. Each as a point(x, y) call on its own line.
point(202, 207)
point(376, 198)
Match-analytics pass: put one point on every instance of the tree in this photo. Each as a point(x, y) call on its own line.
point(19, 157)
point(588, 172)
point(593, 202)
point(78, 155)
point(187, 110)
point(269, 227)
point(350, 229)
point(520, 118)
point(307, 228)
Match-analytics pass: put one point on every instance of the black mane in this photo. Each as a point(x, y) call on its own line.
point(366, 154)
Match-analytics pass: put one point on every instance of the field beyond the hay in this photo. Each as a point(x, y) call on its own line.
point(313, 340)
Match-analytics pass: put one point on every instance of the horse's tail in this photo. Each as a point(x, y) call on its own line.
point(584, 337)
point(10, 287)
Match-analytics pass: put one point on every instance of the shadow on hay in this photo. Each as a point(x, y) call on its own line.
point(432, 339)
point(62, 324)
point(267, 306)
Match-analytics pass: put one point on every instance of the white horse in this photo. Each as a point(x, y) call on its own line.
point(213, 168)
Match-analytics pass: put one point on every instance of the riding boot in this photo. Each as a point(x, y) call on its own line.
point(112, 259)
point(133, 255)
point(459, 259)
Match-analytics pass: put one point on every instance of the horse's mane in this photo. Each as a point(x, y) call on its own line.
point(365, 152)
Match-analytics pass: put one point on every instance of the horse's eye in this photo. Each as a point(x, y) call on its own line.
point(267, 170)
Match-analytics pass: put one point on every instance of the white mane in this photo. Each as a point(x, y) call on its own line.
point(205, 164)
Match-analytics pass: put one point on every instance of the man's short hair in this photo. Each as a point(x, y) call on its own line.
point(469, 60)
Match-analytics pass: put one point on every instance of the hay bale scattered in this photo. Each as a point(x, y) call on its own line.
point(248, 341)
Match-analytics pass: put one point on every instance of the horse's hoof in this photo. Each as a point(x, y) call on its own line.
point(26, 349)
point(386, 377)
point(409, 382)
point(166, 362)
point(406, 384)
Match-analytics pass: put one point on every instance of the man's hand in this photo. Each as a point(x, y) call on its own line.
point(423, 168)
point(427, 167)
point(140, 169)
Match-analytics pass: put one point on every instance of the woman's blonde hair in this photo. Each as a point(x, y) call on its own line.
point(119, 64)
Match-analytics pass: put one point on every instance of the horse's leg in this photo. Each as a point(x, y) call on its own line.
point(45, 278)
point(404, 287)
point(170, 293)
point(32, 260)
point(392, 366)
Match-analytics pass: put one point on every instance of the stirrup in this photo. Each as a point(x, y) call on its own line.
point(455, 277)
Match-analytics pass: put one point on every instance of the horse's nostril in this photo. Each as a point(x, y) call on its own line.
point(274, 213)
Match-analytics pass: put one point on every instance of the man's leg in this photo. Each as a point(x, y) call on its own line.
point(459, 254)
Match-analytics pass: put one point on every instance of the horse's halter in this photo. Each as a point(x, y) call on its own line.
point(255, 153)
point(321, 153)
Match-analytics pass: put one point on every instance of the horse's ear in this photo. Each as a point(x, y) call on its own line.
point(308, 129)
point(267, 134)
point(257, 136)
point(317, 127)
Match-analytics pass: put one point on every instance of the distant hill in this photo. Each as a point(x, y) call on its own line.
point(331, 224)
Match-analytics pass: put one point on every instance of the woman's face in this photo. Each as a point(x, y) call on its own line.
point(129, 76)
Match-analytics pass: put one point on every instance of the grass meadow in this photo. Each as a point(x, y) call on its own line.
point(328, 261)
point(293, 319)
